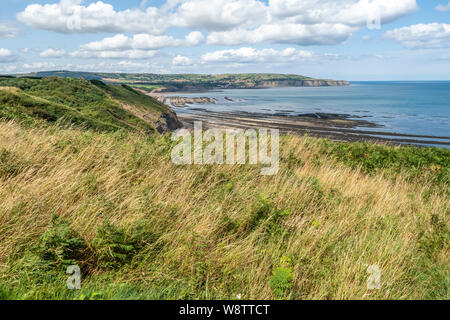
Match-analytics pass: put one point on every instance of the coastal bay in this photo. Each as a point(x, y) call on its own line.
point(398, 112)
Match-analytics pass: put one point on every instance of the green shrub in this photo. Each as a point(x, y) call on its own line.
point(227, 226)
point(263, 208)
point(5, 292)
point(112, 246)
point(293, 161)
point(116, 247)
point(433, 241)
point(90, 296)
point(265, 212)
point(431, 163)
point(281, 281)
point(61, 245)
point(140, 236)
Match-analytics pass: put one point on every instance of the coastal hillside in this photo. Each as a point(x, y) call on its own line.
point(104, 195)
point(141, 227)
point(93, 104)
point(197, 82)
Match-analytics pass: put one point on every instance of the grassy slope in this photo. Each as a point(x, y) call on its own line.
point(309, 232)
point(96, 105)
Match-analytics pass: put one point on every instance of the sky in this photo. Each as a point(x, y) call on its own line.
point(333, 39)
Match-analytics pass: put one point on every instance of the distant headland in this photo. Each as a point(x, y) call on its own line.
point(160, 83)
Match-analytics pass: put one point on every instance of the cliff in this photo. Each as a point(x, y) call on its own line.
point(302, 83)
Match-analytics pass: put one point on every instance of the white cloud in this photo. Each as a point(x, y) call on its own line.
point(121, 66)
point(69, 16)
point(220, 14)
point(309, 22)
point(7, 69)
point(317, 34)
point(117, 42)
point(249, 21)
point(433, 35)
point(140, 46)
point(314, 22)
point(53, 53)
point(443, 7)
point(252, 55)
point(194, 38)
point(142, 42)
point(182, 61)
point(150, 42)
point(121, 54)
point(38, 66)
point(7, 55)
point(101, 66)
point(349, 12)
point(8, 30)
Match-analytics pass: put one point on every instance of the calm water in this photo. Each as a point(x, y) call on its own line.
point(403, 107)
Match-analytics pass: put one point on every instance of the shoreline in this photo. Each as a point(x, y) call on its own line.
point(336, 127)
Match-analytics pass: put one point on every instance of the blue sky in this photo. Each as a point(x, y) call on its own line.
point(318, 38)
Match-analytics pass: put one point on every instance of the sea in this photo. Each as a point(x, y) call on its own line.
point(407, 107)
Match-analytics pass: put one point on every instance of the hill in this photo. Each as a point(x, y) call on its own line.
point(78, 101)
point(196, 82)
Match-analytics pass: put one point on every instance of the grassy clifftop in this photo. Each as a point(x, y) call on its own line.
point(141, 227)
point(77, 101)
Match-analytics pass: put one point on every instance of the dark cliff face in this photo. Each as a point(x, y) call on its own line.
point(252, 84)
point(302, 83)
point(168, 122)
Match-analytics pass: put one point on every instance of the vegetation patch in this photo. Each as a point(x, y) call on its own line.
point(281, 281)
point(427, 163)
point(115, 246)
point(60, 245)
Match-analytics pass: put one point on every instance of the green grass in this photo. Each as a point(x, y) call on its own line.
point(416, 163)
point(141, 227)
point(148, 88)
point(76, 101)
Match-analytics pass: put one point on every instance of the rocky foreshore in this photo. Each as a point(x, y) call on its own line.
point(183, 101)
point(337, 127)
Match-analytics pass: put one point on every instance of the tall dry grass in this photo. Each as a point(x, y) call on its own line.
point(339, 221)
